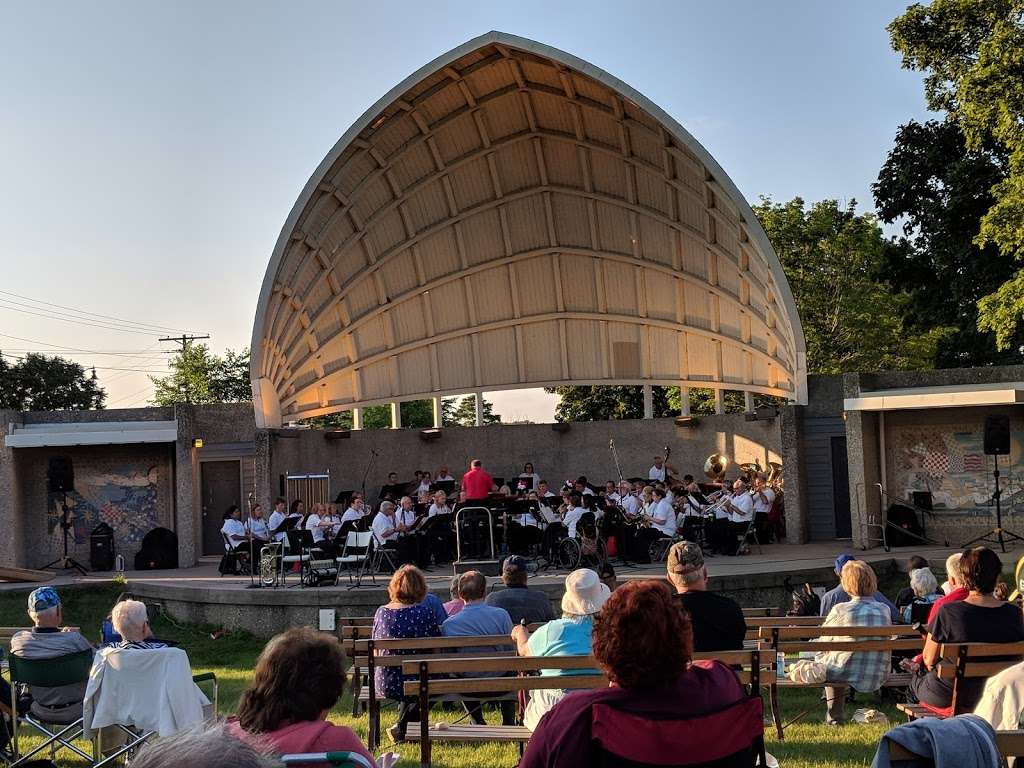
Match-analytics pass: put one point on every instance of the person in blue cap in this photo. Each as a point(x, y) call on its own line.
point(47, 640)
point(838, 595)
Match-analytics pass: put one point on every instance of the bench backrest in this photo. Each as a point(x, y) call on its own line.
point(755, 623)
point(960, 661)
point(763, 612)
point(753, 667)
point(801, 639)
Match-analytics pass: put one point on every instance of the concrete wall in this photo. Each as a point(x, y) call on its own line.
point(937, 450)
point(583, 449)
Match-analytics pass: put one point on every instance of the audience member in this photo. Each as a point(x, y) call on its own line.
point(454, 605)
point(406, 615)
point(47, 640)
point(521, 602)
point(570, 635)
point(925, 592)
point(838, 595)
point(131, 621)
point(1002, 700)
point(906, 594)
point(638, 617)
point(862, 671)
point(978, 618)
point(478, 618)
point(718, 623)
point(954, 588)
point(299, 677)
point(213, 745)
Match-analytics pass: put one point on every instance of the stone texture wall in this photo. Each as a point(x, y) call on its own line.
point(583, 449)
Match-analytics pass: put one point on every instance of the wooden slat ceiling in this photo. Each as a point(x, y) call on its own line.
point(509, 217)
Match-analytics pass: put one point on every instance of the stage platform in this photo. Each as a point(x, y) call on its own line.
point(201, 595)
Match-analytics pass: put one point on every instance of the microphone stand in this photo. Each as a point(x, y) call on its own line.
point(369, 464)
point(254, 583)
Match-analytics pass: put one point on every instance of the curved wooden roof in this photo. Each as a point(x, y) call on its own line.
point(511, 216)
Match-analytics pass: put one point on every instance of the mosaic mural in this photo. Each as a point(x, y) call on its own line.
point(952, 465)
point(127, 502)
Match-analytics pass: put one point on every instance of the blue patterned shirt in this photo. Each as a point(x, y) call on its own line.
point(864, 671)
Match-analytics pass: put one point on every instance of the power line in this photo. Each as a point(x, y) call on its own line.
point(129, 397)
point(77, 321)
point(87, 365)
point(85, 312)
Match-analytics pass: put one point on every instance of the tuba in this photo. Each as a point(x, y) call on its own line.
point(715, 466)
point(774, 479)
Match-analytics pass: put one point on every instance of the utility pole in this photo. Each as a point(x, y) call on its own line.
point(185, 339)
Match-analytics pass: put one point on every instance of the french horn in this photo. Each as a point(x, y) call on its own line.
point(715, 466)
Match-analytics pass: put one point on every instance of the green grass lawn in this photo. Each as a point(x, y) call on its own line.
point(231, 657)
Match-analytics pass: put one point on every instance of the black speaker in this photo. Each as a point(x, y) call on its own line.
point(997, 435)
point(922, 499)
point(60, 475)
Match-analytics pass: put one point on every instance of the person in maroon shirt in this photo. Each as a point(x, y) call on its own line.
point(476, 483)
point(644, 644)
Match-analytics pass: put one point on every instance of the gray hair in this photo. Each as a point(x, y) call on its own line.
point(923, 582)
point(203, 746)
point(46, 614)
point(129, 618)
point(953, 567)
point(386, 505)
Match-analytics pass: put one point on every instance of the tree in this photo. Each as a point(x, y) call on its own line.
point(939, 189)
point(464, 413)
point(416, 414)
point(852, 320)
point(972, 52)
point(199, 377)
point(600, 403)
point(41, 383)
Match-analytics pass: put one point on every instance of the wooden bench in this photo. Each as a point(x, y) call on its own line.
point(402, 649)
point(762, 612)
point(755, 623)
point(753, 668)
point(792, 641)
point(960, 661)
point(1009, 744)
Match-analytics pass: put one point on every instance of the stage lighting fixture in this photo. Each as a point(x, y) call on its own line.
point(687, 421)
point(430, 434)
point(337, 434)
point(197, 442)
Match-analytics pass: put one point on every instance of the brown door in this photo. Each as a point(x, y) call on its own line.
point(221, 487)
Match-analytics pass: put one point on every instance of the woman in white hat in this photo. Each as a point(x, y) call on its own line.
point(584, 596)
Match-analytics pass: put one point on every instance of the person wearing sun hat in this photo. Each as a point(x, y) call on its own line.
point(570, 635)
point(838, 595)
point(46, 640)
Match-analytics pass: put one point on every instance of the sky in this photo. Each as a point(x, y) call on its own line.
point(150, 152)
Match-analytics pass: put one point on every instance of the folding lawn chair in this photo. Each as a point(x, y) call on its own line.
point(358, 550)
point(340, 759)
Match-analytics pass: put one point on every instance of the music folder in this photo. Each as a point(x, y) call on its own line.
point(448, 486)
point(526, 482)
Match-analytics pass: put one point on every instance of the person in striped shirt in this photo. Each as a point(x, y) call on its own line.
point(131, 622)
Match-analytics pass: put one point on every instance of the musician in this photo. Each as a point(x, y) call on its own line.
point(477, 483)
point(234, 530)
point(573, 514)
point(660, 471)
point(610, 493)
point(424, 486)
point(662, 513)
point(689, 486)
point(763, 497)
point(741, 512)
point(528, 471)
point(524, 530)
point(662, 523)
point(543, 492)
point(257, 527)
point(322, 522)
point(440, 537)
point(355, 511)
point(277, 517)
point(410, 533)
point(627, 499)
point(443, 476)
point(386, 534)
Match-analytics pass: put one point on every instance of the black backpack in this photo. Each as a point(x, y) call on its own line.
point(805, 602)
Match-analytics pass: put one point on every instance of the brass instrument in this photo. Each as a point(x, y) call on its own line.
point(715, 466)
point(751, 469)
point(774, 479)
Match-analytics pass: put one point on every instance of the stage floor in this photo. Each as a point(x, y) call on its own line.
point(775, 558)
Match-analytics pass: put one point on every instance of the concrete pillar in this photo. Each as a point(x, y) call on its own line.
point(684, 401)
point(188, 522)
point(12, 507)
point(479, 409)
point(357, 418)
point(396, 415)
point(436, 407)
point(797, 510)
point(719, 401)
point(648, 401)
point(748, 402)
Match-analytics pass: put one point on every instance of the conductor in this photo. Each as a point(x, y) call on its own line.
point(477, 483)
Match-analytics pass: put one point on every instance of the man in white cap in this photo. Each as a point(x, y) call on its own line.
point(570, 635)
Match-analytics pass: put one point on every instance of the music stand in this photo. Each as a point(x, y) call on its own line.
point(448, 486)
point(526, 482)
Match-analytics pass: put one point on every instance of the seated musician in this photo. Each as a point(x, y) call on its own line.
point(543, 491)
point(355, 514)
point(528, 471)
point(524, 530)
point(408, 528)
point(440, 535)
point(610, 492)
point(573, 514)
point(443, 475)
point(385, 533)
point(662, 518)
point(627, 499)
point(424, 486)
point(234, 530)
point(324, 523)
point(277, 518)
point(257, 527)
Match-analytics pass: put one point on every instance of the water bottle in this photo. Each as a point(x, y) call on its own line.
point(119, 563)
point(780, 664)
